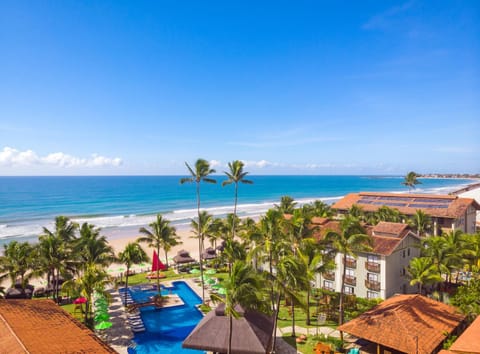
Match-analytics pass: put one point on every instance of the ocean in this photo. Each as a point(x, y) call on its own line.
point(113, 203)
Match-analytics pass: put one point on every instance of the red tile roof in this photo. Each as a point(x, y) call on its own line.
point(387, 236)
point(404, 322)
point(456, 206)
point(469, 341)
point(41, 326)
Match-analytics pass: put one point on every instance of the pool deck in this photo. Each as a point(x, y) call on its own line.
point(120, 336)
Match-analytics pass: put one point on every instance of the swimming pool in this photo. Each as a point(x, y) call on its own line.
point(166, 328)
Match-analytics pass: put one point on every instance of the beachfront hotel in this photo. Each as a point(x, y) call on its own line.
point(380, 273)
point(448, 212)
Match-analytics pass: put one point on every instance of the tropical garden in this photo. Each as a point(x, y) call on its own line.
point(268, 265)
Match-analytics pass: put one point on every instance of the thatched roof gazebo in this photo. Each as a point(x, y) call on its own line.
point(183, 257)
point(252, 332)
point(209, 253)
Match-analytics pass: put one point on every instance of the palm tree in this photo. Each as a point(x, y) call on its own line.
point(421, 222)
point(161, 235)
point(208, 227)
point(385, 213)
point(316, 261)
point(17, 260)
point(93, 279)
point(287, 205)
point(56, 248)
point(321, 209)
point(236, 175)
point(243, 288)
point(351, 240)
point(92, 248)
point(289, 279)
point(200, 174)
point(411, 180)
point(422, 272)
point(132, 254)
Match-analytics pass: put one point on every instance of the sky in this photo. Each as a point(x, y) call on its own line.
point(289, 87)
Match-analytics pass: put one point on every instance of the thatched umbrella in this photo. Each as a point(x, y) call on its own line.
point(183, 257)
point(209, 253)
point(252, 332)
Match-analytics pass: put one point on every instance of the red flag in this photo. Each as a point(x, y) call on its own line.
point(156, 263)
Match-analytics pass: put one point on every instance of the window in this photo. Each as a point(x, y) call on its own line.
point(372, 295)
point(403, 271)
point(408, 252)
point(350, 258)
point(372, 258)
point(372, 277)
point(327, 284)
point(349, 272)
point(348, 289)
point(403, 253)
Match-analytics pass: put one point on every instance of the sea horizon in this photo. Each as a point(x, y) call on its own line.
point(116, 203)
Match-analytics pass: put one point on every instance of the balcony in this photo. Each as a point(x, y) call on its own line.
point(329, 275)
point(373, 267)
point(350, 280)
point(351, 263)
point(329, 288)
point(372, 285)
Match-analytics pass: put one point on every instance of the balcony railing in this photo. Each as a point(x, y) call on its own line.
point(373, 267)
point(329, 288)
point(372, 285)
point(350, 280)
point(329, 275)
point(351, 263)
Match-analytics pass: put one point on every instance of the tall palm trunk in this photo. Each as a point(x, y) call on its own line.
point(200, 243)
point(340, 305)
point(126, 284)
point(274, 334)
point(308, 305)
point(293, 316)
point(230, 333)
point(158, 269)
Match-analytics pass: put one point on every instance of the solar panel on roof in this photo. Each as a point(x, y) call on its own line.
point(429, 206)
point(401, 199)
point(432, 200)
point(390, 204)
point(363, 201)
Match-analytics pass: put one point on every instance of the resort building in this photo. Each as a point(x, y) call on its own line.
point(41, 326)
point(448, 212)
point(380, 273)
point(405, 324)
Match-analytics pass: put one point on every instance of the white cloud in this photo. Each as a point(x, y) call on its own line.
point(215, 163)
point(260, 164)
point(13, 157)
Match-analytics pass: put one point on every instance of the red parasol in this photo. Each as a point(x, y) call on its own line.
point(80, 300)
point(156, 263)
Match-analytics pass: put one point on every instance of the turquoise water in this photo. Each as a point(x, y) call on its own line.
point(167, 328)
point(29, 203)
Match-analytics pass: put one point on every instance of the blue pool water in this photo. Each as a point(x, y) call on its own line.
point(167, 328)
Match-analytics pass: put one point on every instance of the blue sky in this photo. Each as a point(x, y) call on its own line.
point(290, 87)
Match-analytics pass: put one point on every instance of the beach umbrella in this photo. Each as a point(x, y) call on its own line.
point(80, 300)
point(210, 281)
point(103, 325)
point(102, 317)
point(195, 271)
point(211, 271)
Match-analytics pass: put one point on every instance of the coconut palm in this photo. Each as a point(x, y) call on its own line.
point(160, 235)
point(209, 227)
point(321, 209)
point(93, 279)
point(56, 249)
point(132, 254)
point(243, 288)
point(200, 174)
point(235, 175)
point(351, 240)
point(423, 272)
point(411, 180)
point(420, 222)
point(92, 248)
point(287, 205)
point(17, 262)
